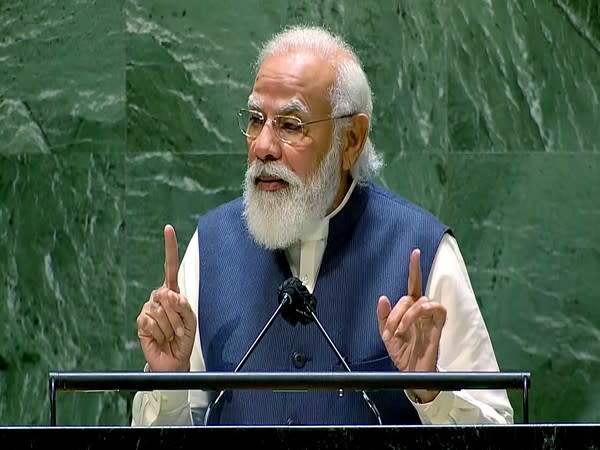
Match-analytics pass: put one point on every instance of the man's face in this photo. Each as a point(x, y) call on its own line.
point(288, 187)
point(293, 84)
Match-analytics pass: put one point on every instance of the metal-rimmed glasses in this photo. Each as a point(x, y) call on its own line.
point(288, 129)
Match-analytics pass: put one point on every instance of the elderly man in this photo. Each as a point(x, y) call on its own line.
point(391, 285)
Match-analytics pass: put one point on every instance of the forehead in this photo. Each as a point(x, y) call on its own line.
point(297, 78)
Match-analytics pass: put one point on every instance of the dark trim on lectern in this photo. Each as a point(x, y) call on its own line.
point(547, 436)
point(216, 381)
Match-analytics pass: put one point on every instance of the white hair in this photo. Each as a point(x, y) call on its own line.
point(350, 92)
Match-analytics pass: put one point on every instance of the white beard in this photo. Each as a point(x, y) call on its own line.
point(278, 219)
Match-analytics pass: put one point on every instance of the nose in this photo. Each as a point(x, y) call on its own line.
point(266, 146)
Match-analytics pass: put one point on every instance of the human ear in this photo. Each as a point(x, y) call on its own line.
point(355, 137)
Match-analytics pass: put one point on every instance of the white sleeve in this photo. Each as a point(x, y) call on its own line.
point(174, 407)
point(465, 345)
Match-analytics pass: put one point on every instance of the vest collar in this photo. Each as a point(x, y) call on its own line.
point(342, 224)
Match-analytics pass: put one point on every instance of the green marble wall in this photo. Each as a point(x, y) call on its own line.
point(118, 116)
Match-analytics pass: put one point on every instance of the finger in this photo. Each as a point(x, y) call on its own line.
point(180, 312)
point(397, 313)
point(170, 304)
point(383, 311)
point(423, 309)
point(439, 314)
point(157, 310)
point(162, 328)
point(187, 315)
point(171, 258)
point(414, 274)
point(148, 328)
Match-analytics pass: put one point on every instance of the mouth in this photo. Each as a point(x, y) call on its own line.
point(269, 183)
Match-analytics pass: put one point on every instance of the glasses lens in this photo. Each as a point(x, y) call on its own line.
point(251, 122)
point(289, 128)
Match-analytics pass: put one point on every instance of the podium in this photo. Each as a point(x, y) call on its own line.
point(220, 381)
point(480, 437)
point(547, 436)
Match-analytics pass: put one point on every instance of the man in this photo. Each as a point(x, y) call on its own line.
point(311, 210)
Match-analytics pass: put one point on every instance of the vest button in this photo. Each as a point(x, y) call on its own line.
point(299, 359)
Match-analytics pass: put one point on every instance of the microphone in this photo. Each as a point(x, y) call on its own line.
point(299, 305)
point(283, 303)
point(296, 304)
point(298, 301)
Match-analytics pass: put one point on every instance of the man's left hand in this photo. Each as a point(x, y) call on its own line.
point(411, 331)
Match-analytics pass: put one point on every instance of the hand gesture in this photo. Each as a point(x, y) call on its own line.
point(167, 324)
point(411, 331)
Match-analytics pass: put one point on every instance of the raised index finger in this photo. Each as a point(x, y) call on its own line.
point(171, 258)
point(414, 274)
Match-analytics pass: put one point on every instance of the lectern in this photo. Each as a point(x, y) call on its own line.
point(547, 436)
point(218, 381)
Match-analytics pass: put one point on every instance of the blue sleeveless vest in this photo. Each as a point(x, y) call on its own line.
point(367, 255)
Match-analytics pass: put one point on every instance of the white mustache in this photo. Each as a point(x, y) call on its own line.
point(272, 169)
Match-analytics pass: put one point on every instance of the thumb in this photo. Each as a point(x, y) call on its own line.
point(384, 308)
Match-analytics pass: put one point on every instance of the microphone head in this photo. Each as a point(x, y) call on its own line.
point(300, 303)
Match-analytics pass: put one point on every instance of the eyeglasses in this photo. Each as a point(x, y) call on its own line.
point(288, 129)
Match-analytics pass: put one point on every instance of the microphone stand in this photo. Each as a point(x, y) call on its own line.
point(286, 299)
point(370, 403)
point(301, 308)
point(290, 292)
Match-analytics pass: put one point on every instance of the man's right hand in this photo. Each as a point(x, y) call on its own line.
point(167, 324)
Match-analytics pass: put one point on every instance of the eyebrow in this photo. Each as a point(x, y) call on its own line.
point(290, 107)
point(253, 103)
